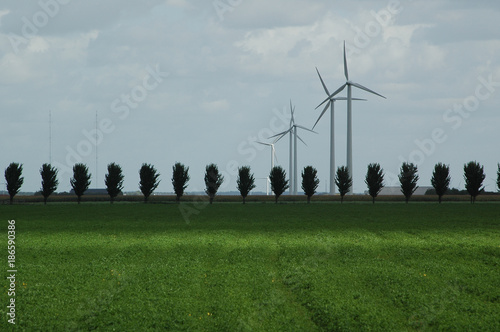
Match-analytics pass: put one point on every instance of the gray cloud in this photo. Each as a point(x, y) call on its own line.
point(229, 79)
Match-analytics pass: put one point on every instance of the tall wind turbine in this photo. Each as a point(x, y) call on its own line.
point(293, 132)
point(331, 104)
point(349, 84)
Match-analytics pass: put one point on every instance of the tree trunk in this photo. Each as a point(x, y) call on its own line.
point(244, 199)
point(308, 199)
point(373, 199)
point(439, 199)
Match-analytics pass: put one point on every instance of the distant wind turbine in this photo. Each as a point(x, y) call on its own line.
point(331, 104)
point(349, 84)
point(293, 165)
point(273, 152)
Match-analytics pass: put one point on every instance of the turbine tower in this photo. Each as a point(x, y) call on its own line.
point(293, 166)
point(331, 104)
point(349, 84)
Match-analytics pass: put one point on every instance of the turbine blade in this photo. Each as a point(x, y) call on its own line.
point(322, 82)
point(346, 72)
point(344, 98)
point(292, 109)
point(281, 134)
point(359, 86)
point(301, 140)
point(267, 144)
point(322, 113)
point(332, 95)
point(302, 127)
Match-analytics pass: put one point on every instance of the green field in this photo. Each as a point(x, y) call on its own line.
point(258, 267)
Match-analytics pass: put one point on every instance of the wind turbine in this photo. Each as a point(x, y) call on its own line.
point(292, 122)
point(349, 84)
point(293, 133)
point(331, 104)
point(273, 158)
point(273, 151)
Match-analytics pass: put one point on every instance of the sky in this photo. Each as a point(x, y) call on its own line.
point(199, 82)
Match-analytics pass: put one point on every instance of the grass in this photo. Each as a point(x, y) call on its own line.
point(258, 267)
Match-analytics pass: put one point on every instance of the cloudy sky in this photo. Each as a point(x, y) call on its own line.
point(199, 82)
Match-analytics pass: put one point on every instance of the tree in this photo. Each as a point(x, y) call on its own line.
point(14, 179)
point(49, 181)
point(148, 180)
point(498, 177)
point(474, 177)
point(408, 179)
point(213, 180)
point(343, 181)
point(81, 180)
point(374, 180)
point(245, 181)
point(180, 178)
point(114, 181)
point(279, 183)
point(441, 179)
point(310, 182)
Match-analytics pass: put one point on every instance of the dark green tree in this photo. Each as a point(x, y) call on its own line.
point(49, 181)
point(180, 178)
point(14, 179)
point(245, 181)
point(213, 180)
point(114, 181)
point(279, 183)
point(474, 177)
point(441, 179)
point(374, 180)
point(310, 182)
point(343, 181)
point(408, 179)
point(81, 180)
point(148, 180)
point(498, 177)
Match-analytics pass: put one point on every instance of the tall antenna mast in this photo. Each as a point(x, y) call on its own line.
point(96, 160)
point(50, 137)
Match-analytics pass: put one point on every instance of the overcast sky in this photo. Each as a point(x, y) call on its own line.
point(199, 81)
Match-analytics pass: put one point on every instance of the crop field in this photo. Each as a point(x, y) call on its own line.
point(256, 267)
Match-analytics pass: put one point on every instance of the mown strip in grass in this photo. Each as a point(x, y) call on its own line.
point(258, 267)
